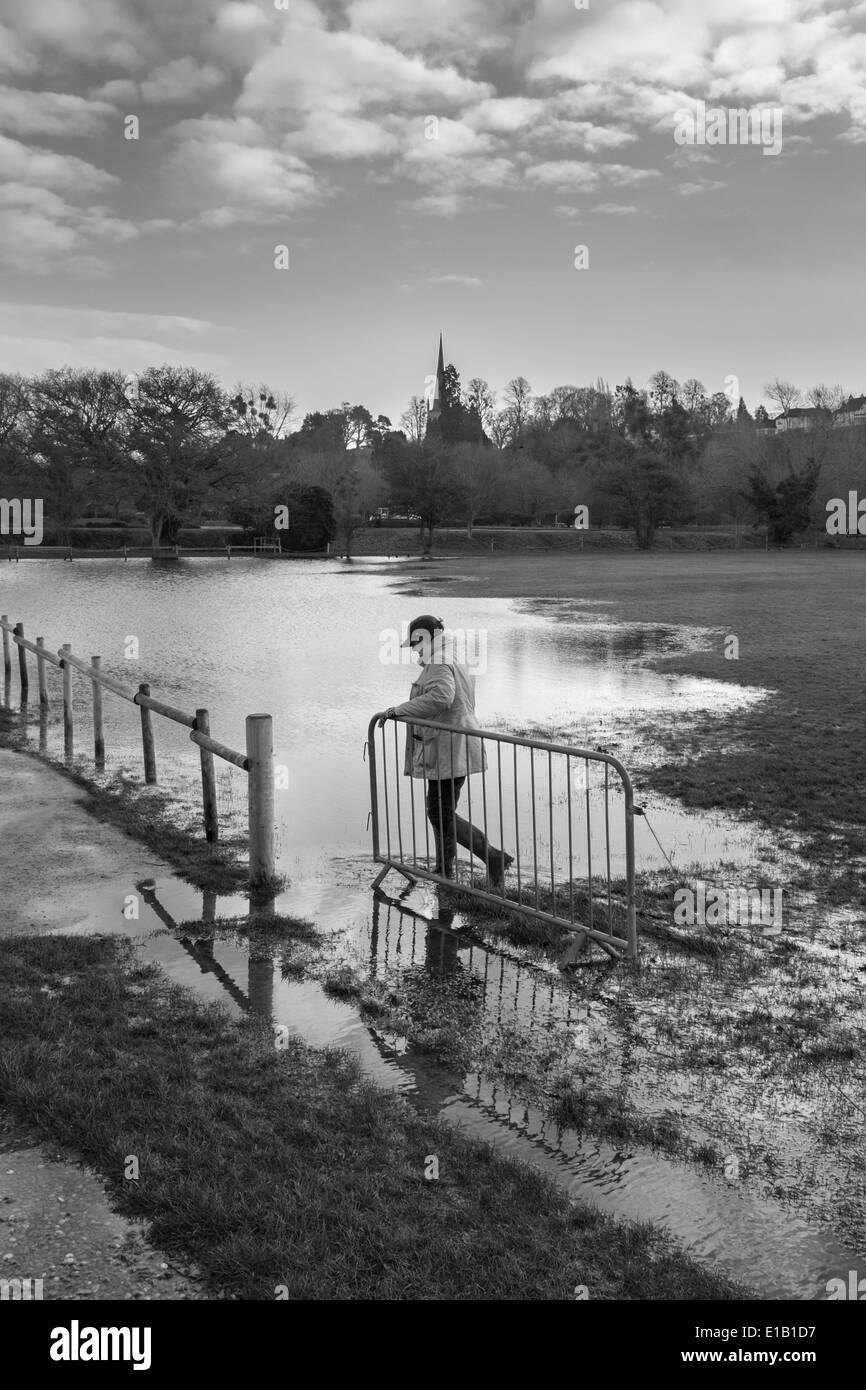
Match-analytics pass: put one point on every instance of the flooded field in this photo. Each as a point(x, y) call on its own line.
point(718, 1092)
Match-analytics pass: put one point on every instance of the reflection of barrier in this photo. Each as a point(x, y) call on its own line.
point(538, 797)
point(258, 762)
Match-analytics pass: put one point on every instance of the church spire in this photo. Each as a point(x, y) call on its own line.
point(434, 408)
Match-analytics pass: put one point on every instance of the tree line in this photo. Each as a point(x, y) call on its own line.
point(171, 445)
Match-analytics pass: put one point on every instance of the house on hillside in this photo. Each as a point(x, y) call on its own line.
point(801, 417)
point(851, 412)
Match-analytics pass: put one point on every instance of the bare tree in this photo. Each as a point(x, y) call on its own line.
point(518, 405)
point(479, 397)
point(783, 393)
point(414, 420)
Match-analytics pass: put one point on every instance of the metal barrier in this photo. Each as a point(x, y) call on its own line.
point(544, 812)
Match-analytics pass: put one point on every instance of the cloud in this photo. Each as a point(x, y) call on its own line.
point(234, 163)
point(30, 164)
point(36, 337)
point(25, 112)
point(691, 190)
point(182, 79)
point(579, 176)
point(470, 281)
point(41, 233)
point(615, 209)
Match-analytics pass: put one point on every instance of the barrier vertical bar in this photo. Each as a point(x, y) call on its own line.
point(98, 735)
point(147, 743)
point(208, 781)
point(260, 752)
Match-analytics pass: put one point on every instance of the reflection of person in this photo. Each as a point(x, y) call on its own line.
point(445, 692)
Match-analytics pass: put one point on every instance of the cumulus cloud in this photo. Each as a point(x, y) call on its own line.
point(182, 79)
point(233, 162)
point(24, 112)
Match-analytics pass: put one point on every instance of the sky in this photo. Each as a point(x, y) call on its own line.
point(434, 166)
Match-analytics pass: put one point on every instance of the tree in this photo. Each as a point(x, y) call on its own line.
point(423, 479)
point(518, 406)
point(479, 470)
point(478, 399)
point(181, 449)
point(665, 391)
point(646, 490)
point(784, 393)
point(78, 438)
point(786, 507)
point(414, 419)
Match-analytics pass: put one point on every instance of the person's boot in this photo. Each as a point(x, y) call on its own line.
point(496, 860)
point(444, 857)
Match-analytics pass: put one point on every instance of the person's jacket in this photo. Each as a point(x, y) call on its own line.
point(444, 691)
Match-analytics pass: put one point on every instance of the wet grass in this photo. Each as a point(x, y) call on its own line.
point(275, 1167)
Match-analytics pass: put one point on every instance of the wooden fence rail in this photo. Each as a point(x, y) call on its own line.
point(257, 762)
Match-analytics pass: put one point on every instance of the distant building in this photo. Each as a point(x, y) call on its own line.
point(851, 412)
point(801, 417)
point(433, 395)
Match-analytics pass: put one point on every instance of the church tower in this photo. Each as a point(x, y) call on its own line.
point(434, 395)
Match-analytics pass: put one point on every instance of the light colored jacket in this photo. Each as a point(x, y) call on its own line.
point(444, 691)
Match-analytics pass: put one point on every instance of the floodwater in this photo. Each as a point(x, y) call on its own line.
point(312, 644)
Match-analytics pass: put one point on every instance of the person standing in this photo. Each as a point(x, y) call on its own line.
point(445, 692)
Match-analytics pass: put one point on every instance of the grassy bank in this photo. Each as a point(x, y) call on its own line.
point(275, 1168)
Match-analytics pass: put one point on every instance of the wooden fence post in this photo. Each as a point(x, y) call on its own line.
point(208, 780)
point(67, 705)
point(98, 735)
point(7, 658)
point(147, 740)
point(22, 666)
point(260, 752)
point(40, 670)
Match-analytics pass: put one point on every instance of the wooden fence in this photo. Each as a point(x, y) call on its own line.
point(257, 762)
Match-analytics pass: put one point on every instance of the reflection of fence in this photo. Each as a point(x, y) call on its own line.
point(537, 798)
point(257, 762)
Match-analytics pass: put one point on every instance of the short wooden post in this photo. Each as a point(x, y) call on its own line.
point(260, 752)
point(40, 669)
point(22, 665)
point(147, 743)
point(68, 734)
point(208, 780)
point(7, 657)
point(98, 735)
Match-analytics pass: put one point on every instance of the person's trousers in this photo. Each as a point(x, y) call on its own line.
point(450, 830)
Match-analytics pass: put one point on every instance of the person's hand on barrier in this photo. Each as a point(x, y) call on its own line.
point(386, 714)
